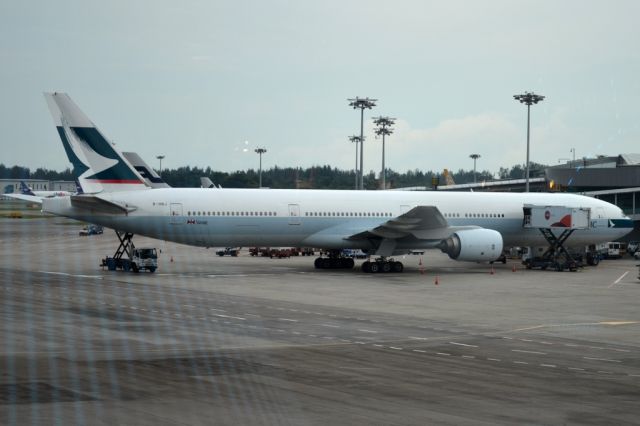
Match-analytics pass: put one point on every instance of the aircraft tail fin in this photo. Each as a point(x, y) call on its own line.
point(205, 182)
point(25, 190)
point(97, 164)
point(79, 190)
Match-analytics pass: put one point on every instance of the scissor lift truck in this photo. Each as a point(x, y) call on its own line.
point(137, 258)
point(559, 218)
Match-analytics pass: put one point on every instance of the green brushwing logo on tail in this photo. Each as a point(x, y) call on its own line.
point(118, 173)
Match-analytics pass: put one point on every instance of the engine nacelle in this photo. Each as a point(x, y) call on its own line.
point(474, 245)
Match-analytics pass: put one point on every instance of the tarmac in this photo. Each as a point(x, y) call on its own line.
point(242, 340)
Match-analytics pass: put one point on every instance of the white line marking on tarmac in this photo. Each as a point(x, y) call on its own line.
point(575, 368)
point(229, 316)
point(493, 359)
point(520, 362)
point(288, 319)
point(419, 350)
point(618, 280)
point(252, 315)
point(463, 344)
point(330, 325)
point(378, 346)
point(528, 352)
point(468, 356)
point(443, 353)
point(548, 365)
point(214, 309)
point(367, 331)
point(417, 338)
point(601, 359)
point(396, 348)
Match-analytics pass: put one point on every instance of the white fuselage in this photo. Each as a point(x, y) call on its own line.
point(325, 218)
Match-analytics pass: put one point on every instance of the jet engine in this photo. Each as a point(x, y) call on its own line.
point(474, 245)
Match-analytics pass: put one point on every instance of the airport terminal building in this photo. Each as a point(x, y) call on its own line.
point(11, 186)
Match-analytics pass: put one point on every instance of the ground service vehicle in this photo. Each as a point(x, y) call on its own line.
point(141, 258)
point(91, 230)
point(615, 250)
point(228, 251)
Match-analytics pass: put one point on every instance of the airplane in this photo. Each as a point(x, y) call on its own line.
point(26, 190)
point(149, 175)
point(205, 182)
point(27, 194)
point(474, 226)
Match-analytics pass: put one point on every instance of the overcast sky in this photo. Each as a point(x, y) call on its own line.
point(207, 82)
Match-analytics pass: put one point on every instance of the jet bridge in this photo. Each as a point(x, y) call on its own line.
point(550, 218)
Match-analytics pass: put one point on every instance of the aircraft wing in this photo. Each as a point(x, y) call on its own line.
point(421, 223)
point(24, 197)
point(99, 205)
point(416, 220)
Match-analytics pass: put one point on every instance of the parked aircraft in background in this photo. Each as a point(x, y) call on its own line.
point(26, 190)
point(467, 226)
point(205, 182)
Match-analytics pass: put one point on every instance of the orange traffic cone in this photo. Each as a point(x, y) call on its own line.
point(492, 270)
point(514, 268)
point(421, 267)
point(437, 280)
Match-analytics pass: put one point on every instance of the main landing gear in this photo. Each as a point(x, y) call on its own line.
point(382, 265)
point(335, 260)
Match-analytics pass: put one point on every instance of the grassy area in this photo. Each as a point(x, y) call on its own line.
point(17, 209)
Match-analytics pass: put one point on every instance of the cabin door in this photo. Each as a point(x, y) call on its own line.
point(175, 210)
point(294, 214)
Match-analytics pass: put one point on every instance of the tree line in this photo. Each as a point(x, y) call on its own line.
point(318, 177)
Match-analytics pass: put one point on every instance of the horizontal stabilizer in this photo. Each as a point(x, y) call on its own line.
point(99, 205)
point(23, 197)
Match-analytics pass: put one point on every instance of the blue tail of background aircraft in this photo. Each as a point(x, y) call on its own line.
point(24, 189)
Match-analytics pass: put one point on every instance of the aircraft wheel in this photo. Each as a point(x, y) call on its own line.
point(386, 267)
point(374, 267)
point(398, 267)
point(366, 266)
point(346, 263)
point(318, 263)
